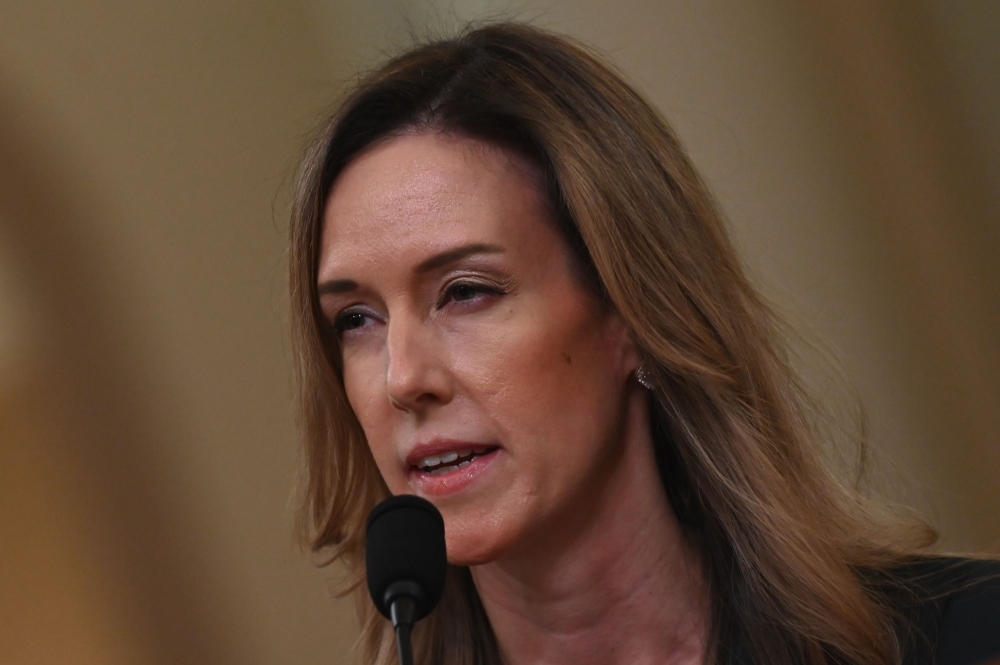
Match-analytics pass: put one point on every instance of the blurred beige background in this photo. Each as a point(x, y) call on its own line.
point(147, 444)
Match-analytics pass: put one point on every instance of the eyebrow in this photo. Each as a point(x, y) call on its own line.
point(452, 255)
point(338, 286)
point(434, 262)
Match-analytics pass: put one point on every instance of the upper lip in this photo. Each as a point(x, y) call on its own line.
point(439, 447)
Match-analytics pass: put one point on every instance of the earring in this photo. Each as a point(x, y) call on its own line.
point(643, 377)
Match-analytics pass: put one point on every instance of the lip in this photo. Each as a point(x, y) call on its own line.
point(454, 481)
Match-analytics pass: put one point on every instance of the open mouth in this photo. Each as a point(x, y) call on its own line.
point(437, 465)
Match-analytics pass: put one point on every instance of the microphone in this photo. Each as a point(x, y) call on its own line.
point(405, 562)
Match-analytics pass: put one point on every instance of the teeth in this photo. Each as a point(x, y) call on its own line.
point(443, 464)
point(429, 461)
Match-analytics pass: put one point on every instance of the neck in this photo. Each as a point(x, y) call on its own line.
point(617, 582)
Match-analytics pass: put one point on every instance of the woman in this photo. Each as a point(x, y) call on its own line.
point(513, 295)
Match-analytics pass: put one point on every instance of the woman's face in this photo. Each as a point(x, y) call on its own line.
point(487, 378)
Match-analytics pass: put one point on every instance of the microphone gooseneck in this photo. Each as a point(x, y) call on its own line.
point(405, 561)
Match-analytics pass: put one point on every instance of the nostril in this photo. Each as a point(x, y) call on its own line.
point(422, 400)
point(417, 375)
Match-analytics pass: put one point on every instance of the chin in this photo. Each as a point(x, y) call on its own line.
point(465, 551)
point(473, 546)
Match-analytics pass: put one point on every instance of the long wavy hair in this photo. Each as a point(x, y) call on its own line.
point(788, 549)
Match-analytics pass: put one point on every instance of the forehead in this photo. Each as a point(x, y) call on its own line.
point(427, 192)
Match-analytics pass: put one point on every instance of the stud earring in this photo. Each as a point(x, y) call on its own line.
point(643, 377)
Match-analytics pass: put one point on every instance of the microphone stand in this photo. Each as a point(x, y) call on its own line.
point(403, 611)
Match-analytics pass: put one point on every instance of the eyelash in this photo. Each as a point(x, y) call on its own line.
point(341, 322)
point(475, 287)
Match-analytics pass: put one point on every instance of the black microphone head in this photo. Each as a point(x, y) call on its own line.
point(405, 550)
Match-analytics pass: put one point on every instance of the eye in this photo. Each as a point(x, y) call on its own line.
point(349, 320)
point(468, 291)
point(464, 292)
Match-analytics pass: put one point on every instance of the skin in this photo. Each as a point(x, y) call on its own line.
point(572, 544)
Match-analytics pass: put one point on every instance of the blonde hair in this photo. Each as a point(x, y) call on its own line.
point(787, 549)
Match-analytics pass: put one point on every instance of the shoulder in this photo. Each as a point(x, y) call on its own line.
point(950, 610)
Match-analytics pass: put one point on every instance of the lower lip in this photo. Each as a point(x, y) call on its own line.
point(443, 484)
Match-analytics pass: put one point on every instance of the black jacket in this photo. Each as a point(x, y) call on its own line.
point(949, 612)
point(955, 619)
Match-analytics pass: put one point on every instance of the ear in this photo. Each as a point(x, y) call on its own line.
point(621, 345)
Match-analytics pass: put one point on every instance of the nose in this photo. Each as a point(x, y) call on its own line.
point(417, 375)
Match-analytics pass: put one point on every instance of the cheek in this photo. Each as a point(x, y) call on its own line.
point(554, 388)
point(366, 394)
point(359, 386)
point(553, 396)
point(569, 411)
